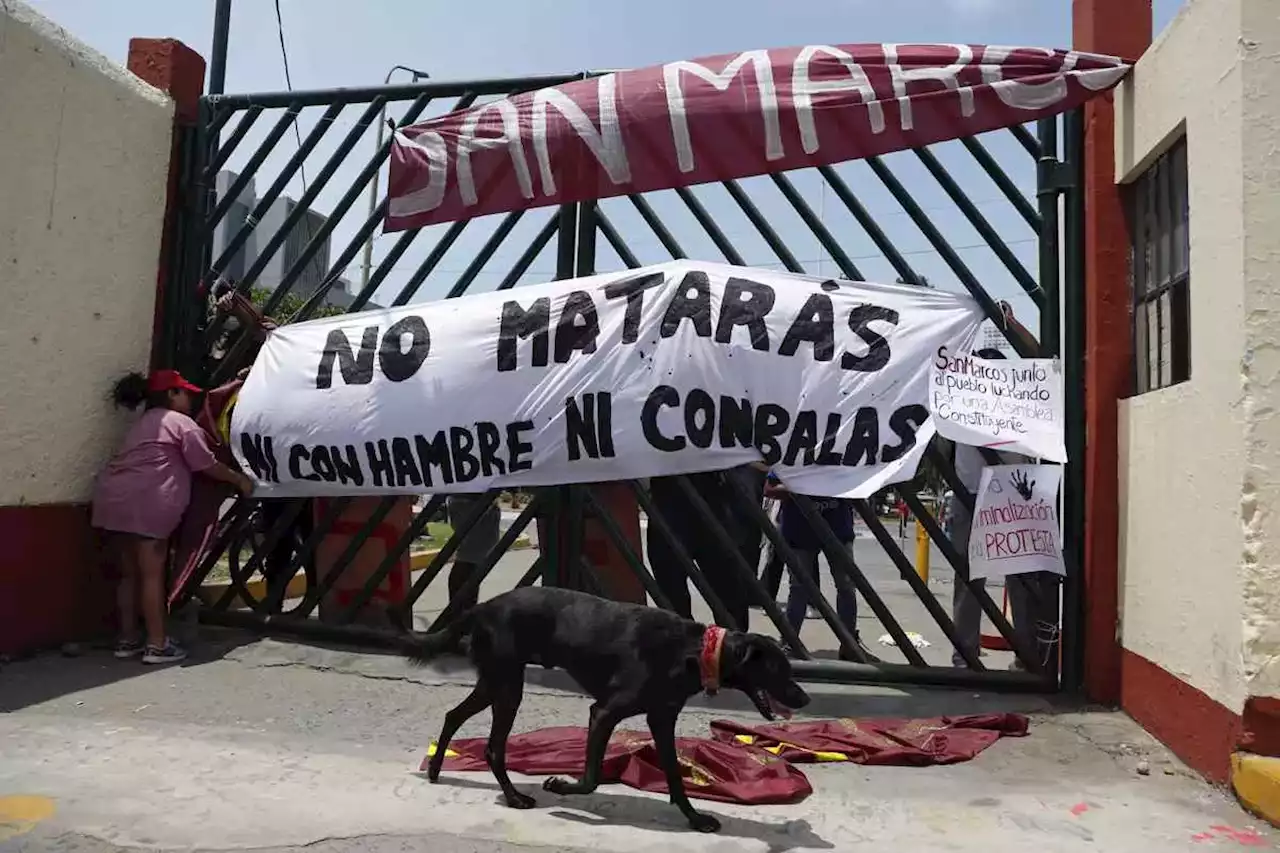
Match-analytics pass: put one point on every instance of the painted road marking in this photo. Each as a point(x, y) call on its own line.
point(21, 813)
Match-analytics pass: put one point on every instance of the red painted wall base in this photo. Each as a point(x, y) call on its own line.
point(52, 587)
point(1199, 730)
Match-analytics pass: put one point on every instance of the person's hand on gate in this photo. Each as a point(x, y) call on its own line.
point(1014, 328)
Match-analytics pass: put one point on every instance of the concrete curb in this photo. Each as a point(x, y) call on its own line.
point(418, 560)
point(1256, 781)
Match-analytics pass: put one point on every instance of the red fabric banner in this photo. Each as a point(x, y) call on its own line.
point(753, 765)
point(723, 117)
point(911, 743)
point(726, 773)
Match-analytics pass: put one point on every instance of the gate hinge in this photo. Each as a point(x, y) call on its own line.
point(1055, 177)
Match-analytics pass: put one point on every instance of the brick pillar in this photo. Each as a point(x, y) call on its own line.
point(1120, 28)
point(177, 70)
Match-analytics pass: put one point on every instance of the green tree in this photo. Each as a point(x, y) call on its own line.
point(290, 306)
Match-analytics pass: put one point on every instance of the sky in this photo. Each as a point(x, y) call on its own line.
point(335, 43)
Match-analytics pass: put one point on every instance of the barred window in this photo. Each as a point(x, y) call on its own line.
point(1160, 272)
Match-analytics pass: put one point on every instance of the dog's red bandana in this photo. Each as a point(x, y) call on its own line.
point(709, 659)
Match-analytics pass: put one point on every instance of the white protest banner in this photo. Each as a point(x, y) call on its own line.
point(676, 368)
point(1015, 523)
point(1005, 404)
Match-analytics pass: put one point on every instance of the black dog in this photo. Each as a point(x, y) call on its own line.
point(631, 659)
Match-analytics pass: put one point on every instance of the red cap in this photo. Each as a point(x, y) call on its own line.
point(168, 380)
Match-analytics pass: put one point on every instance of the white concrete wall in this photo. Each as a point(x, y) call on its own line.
point(1200, 462)
point(1259, 50)
point(84, 157)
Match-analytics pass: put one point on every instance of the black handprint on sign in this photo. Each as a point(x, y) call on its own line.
point(1019, 480)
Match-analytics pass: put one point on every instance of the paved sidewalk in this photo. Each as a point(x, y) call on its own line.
point(268, 745)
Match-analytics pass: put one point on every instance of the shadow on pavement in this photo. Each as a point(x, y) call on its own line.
point(45, 677)
point(655, 815)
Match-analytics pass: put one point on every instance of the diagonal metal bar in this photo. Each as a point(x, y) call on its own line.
point(335, 271)
point(619, 245)
point(218, 118)
point(960, 563)
point(799, 572)
point(385, 266)
point(357, 243)
point(403, 612)
point(340, 565)
point(634, 562)
point(917, 584)
point(847, 267)
point(531, 574)
point(709, 225)
point(745, 574)
point(250, 168)
point(762, 225)
point(687, 565)
point(237, 136)
point(485, 566)
point(394, 555)
point(841, 562)
point(273, 192)
point(1003, 181)
point(485, 254)
point(303, 204)
point(660, 229)
point(530, 254)
point(944, 249)
point(232, 524)
point(272, 538)
point(1027, 140)
point(307, 550)
point(317, 184)
point(437, 253)
point(869, 225)
point(980, 224)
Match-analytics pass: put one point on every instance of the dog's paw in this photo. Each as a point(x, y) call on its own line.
point(521, 801)
point(558, 785)
point(433, 774)
point(704, 822)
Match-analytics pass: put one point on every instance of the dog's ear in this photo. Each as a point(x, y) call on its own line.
point(750, 647)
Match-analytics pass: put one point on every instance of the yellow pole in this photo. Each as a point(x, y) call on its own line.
point(922, 552)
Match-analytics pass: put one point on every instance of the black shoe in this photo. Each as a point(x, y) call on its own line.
point(871, 659)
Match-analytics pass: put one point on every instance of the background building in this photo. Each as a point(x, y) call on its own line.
point(289, 252)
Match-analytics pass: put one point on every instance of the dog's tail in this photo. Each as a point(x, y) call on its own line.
point(421, 648)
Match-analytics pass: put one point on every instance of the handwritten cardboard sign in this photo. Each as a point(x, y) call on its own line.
point(1005, 404)
point(1015, 522)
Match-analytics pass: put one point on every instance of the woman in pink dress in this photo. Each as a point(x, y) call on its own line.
point(140, 498)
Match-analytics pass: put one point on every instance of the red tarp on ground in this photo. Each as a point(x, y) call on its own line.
point(912, 743)
point(727, 773)
point(722, 117)
point(728, 769)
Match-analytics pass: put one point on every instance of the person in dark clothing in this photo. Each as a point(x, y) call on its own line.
point(701, 544)
point(473, 550)
point(837, 514)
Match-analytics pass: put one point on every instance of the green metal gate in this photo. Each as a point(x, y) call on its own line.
point(292, 254)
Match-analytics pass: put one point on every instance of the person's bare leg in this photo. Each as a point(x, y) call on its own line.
point(121, 552)
point(150, 557)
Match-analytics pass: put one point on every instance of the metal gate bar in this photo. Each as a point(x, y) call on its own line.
point(482, 569)
point(365, 594)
